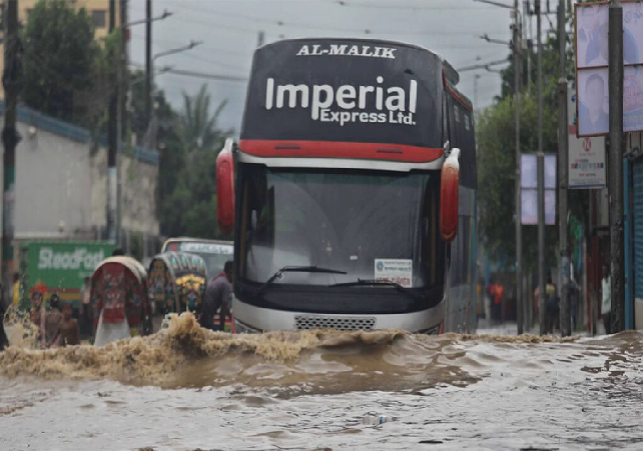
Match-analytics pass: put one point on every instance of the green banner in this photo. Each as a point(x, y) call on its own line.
point(61, 267)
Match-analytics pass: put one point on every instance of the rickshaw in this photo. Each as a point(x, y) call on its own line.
point(177, 282)
point(119, 284)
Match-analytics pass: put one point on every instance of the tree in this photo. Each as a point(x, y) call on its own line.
point(198, 126)
point(59, 57)
point(496, 158)
point(189, 144)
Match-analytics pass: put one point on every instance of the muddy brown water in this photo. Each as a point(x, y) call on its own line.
point(186, 388)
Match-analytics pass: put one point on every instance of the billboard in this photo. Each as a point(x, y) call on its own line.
point(62, 266)
point(586, 155)
point(529, 189)
point(592, 60)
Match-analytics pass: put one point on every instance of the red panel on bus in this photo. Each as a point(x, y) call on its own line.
point(225, 191)
point(351, 150)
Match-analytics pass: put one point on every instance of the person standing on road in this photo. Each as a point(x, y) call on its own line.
point(606, 306)
point(552, 309)
point(39, 315)
point(85, 307)
point(15, 295)
point(218, 295)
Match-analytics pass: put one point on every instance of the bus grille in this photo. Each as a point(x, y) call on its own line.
point(333, 322)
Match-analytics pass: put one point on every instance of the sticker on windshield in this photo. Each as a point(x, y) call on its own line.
point(207, 248)
point(395, 270)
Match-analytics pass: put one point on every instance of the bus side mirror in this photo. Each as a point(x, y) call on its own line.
point(449, 189)
point(225, 188)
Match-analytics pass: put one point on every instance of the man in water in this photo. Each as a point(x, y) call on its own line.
point(218, 295)
point(606, 305)
point(4, 341)
point(39, 315)
point(85, 308)
point(552, 309)
point(53, 318)
point(68, 331)
point(595, 119)
point(16, 290)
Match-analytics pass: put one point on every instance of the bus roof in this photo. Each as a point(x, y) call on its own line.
point(345, 98)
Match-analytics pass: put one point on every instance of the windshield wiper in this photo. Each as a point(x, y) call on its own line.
point(280, 273)
point(388, 283)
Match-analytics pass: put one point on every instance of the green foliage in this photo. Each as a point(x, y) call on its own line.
point(59, 57)
point(189, 143)
point(198, 127)
point(497, 162)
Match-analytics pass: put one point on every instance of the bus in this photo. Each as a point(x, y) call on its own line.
point(351, 191)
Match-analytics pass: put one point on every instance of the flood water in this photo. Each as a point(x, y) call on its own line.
point(186, 388)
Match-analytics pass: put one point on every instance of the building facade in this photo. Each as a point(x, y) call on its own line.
point(61, 186)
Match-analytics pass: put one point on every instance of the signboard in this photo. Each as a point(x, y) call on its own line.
point(586, 155)
point(529, 203)
point(633, 97)
point(63, 266)
point(207, 248)
point(592, 29)
point(398, 271)
point(529, 189)
point(344, 90)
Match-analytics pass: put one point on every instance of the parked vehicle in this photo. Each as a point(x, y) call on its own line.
point(176, 282)
point(120, 284)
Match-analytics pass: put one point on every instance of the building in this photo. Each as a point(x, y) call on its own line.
point(61, 186)
point(97, 9)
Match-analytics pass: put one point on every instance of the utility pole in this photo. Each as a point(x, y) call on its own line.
point(112, 138)
point(475, 90)
point(261, 37)
point(542, 269)
point(148, 64)
point(615, 168)
point(10, 138)
point(541, 176)
point(516, 54)
point(122, 116)
point(565, 306)
point(527, 17)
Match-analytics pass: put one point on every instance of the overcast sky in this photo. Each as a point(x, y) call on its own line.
point(229, 30)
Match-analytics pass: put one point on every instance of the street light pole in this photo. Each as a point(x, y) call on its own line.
point(116, 118)
point(615, 166)
point(565, 307)
point(541, 178)
point(520, 310)
point(148, 62)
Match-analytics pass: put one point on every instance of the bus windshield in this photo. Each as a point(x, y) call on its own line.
point(370, 224)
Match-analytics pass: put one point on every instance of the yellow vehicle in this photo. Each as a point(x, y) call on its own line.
point(176, 282)
point(213, 252)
